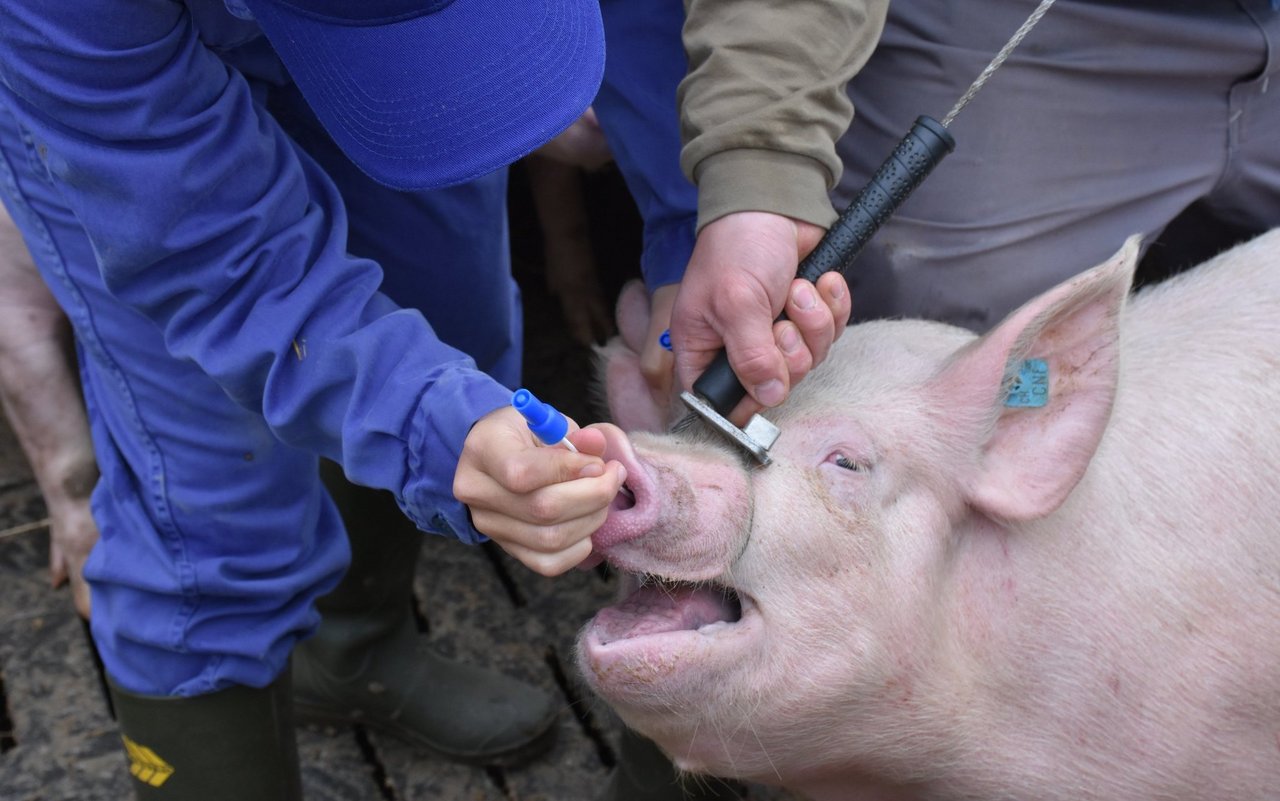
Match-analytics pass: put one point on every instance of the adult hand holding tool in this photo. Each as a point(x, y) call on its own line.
point(718, 392)
point(740, 277)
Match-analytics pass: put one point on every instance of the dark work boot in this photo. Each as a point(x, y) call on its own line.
point(644, 773)
point(235, 743)
point(368, 664)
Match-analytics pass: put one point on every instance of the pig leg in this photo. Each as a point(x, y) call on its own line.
point(41, 399)
point(570, 265)
point(555, 180)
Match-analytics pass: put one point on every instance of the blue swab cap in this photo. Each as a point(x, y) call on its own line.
point(544, 421)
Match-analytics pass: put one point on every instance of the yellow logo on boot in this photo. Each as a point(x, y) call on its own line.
point(146, 765)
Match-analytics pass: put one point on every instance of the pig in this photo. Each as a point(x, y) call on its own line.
point(933, 594)
point(41, 399)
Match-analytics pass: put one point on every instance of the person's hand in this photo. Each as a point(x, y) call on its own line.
point(540, 504)
point(740, 277)
point(657, 363)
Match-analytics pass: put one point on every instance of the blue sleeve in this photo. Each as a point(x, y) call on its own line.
point(208, 220)
point(637, 110)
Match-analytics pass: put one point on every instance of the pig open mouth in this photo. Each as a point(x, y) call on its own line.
point(661, 606)
point(663, 626)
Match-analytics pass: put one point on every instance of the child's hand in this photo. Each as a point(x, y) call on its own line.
point(540, 504)
point(657, 363)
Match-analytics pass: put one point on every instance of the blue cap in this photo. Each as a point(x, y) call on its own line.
point(544, 421)
point(428, 93)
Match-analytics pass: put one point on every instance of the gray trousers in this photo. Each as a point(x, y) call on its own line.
point(1111, 119)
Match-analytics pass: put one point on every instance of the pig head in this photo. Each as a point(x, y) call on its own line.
point(945, 589)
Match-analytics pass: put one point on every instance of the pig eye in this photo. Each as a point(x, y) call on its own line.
point(848, 464)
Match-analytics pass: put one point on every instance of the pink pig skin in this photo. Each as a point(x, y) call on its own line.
point(940, 597)
point(41, 399)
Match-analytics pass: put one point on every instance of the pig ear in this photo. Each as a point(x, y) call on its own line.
point(1032, 446)
point(631, 404)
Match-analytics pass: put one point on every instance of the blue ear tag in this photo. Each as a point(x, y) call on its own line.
point(1031, 389)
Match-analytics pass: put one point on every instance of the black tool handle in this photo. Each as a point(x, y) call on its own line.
point(912, 160)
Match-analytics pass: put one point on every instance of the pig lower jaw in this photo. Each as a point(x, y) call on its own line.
point(664, 629)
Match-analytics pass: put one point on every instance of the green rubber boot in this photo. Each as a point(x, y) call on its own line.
point(644, 773)
point(368, 664)
point(235, 743)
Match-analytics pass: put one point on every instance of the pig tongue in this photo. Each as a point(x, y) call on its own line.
point(654, 609)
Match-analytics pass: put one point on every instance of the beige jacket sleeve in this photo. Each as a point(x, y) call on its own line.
point(764, 101)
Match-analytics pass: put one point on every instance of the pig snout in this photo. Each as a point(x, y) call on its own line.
point(674, 533)
point(683, 513)
point(635, 509)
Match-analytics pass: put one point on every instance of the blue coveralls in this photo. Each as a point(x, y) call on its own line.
point(223, 278)
point(637, 110)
